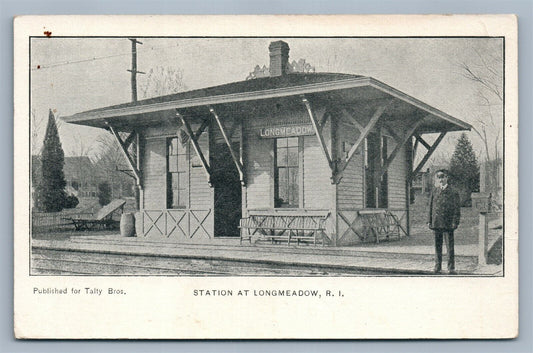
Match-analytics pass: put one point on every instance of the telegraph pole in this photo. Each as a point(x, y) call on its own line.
point(133, 70)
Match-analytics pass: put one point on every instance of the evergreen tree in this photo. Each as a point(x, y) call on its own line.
point(464, 169)
point(51, 195)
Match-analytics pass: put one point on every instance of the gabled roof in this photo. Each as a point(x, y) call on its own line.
point(252, 85)
point(349, 89)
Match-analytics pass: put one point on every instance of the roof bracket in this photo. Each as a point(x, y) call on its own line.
point(362, 135)
point(194, 140)
point(428, 154)
point(400, 142)
point(318, 131)
point(352, 120)
point(234, 156)
point(124, 147)
point(422, 141)
point(201, 129)
point(129, 139)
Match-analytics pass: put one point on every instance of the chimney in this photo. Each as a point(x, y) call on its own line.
point(279, 58)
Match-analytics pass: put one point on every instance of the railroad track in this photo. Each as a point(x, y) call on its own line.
point(64, 262)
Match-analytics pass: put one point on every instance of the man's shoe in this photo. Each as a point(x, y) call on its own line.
point(452, 272)
point(437, 271)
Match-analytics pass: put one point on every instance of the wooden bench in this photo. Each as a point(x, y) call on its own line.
point(381, 223)
point(302, 226)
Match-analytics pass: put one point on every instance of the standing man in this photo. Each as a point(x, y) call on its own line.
point(444, 215)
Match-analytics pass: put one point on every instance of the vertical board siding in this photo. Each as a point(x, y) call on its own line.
point(350, 190)
point(317, 175)
point(154, 174)
point(397, 175)
point(200, 194)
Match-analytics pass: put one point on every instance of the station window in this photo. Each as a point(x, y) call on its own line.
point(177, 173)
point(286, 178)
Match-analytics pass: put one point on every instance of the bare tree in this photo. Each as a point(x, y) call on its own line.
point(161, 81)
point(81, 148)
point(112, 163)
point(35, 127)
point(486, 70)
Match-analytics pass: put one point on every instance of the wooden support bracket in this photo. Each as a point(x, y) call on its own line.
point(391, 132)
point(400, 142)
point(324, 119)
point(353, 120)
point(124, 148)
point(428, 154)
point(234, 156)
point(201, 129)
point(129, 140)
point(197, 149)
point(422, 141)
point(318, 131)
point(363, 134)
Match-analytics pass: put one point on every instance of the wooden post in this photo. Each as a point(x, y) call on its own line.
point(242, 158)
point(140, 188)
point(408, 185)
point(335, 186)
point(483, 238)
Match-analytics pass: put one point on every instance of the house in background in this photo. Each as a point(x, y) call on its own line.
point(288, 144)
point(82, 178)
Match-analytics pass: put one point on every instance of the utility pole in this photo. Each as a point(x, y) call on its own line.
point(133, 70)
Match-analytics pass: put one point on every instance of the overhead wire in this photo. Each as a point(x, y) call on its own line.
point(52, 65)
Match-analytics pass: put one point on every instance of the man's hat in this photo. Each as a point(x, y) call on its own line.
point(444, 171)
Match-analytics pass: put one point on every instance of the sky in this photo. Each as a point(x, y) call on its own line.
point(71, 75)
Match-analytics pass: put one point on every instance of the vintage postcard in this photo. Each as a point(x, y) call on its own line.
point(278, 177)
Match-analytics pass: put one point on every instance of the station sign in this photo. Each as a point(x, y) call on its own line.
point(286, 131)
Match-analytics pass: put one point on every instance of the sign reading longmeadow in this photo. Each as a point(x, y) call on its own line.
point(286, 131)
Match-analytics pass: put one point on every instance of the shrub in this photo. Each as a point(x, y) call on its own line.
point(71, 201)
point(104, 193)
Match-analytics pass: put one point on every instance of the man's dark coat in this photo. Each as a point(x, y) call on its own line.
point(444, 209)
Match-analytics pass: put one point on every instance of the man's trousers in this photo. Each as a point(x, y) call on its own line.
point(439, 234)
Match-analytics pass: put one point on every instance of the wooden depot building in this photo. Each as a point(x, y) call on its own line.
point(326, 157)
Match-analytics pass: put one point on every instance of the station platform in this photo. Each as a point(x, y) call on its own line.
point(399, 257)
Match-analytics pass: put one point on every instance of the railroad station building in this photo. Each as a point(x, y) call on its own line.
point(334, 145)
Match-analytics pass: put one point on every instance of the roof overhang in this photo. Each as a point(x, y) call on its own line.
point(134, 113)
